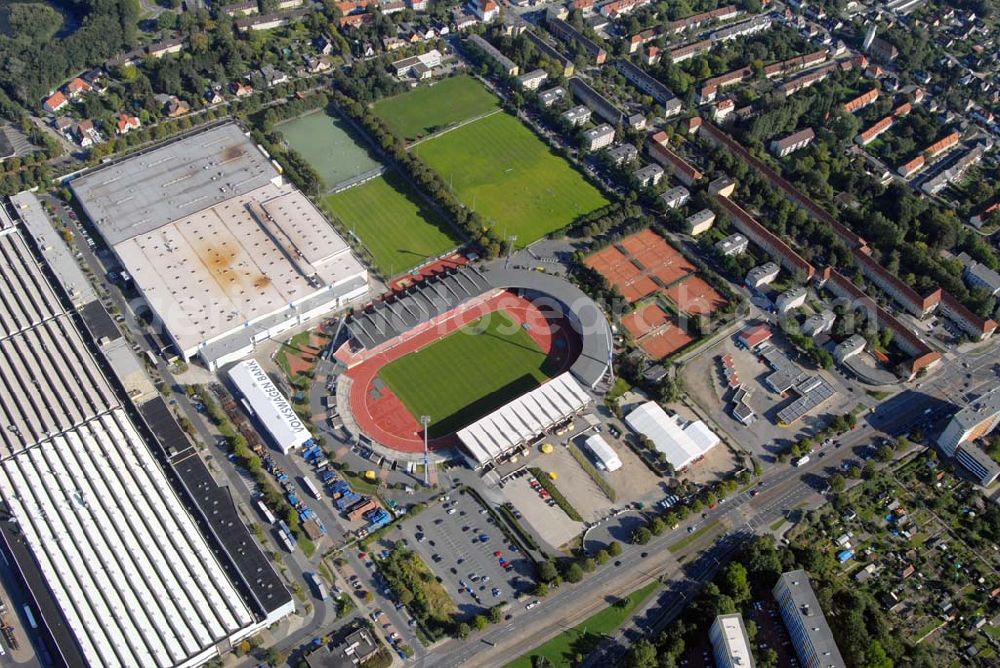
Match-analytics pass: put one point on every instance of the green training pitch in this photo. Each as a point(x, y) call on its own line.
point(427, 109)
point(468, 373)
point(397, 226)
point(328, 144)
point(499, 168)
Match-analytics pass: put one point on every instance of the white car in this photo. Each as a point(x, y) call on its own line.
point(531, 605)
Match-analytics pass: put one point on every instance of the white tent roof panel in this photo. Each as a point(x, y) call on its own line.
point(679, 445)
point(604, 452)
point(524, 418)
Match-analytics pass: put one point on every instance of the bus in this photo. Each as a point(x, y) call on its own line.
point(310, 487)
point(266, 512)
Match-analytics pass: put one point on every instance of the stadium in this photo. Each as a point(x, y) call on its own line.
point(495, 358)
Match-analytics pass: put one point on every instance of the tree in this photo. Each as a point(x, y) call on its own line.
point(588, 565)
point(736, 583)
point(574, 573)
point(480, 622)
point(641, 536)
point(615, 548)
point(602, 557)
point(547, 571)
point(837, 482)
point(463, 630)
point(641, 655)
point(884, 454)
point(405, 596)
point(877, 657)
point(496, 614)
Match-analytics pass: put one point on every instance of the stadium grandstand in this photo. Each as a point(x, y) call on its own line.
point(122, 568)
point(414, 310)
point(523, 420)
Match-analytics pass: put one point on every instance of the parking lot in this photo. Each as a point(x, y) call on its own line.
point(548, 521)
point(460, 542)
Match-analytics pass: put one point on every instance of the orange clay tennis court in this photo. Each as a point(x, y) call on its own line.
point(655, 332)
point(694, 296)
point(640, 265)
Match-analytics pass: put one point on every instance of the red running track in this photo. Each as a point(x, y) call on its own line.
point(382, 416)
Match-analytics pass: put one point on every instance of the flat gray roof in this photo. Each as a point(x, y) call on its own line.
point(57, 254)
point(144, 192)
point(982, 408)
point(803, 610)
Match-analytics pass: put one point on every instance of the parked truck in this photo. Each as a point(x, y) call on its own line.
point(310, 487)
point(318, 586)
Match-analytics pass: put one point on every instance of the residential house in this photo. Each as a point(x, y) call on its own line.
point(76, 88)
point(272, 76)
point(240, 89)
point(680, 168)
point(734, 244)
point(699, 222)
point(762, 275)
point(505, 63)
point(247, 8)
point(793, 142)
point(486, 10)
point(165, 47)
point(649, 175)
point(532, 80)
point(599, 137)
point(55, 102)
point(126, 123)
point(676, 197)
point(551, 96)
point(622, 154)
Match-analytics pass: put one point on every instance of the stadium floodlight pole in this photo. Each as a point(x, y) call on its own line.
point(425, 420)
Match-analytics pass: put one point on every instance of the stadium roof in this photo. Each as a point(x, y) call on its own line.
point(141, 193)
point(604, 452)
point(681, 445)
point(270, 407)
point(423, 301)
point(523, 419)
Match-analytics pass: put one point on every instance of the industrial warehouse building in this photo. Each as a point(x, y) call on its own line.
point(269, 406)
point(224, 251)
point(682, 444)
point(523, 420)
point(118, 571)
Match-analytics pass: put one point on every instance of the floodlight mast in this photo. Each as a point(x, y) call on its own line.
point(425, 420)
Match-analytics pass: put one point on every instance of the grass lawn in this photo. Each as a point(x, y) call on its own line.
point(427, 109)
point(393, 221)
point(692, 537)
point(499, 168)
point(327, 143)
point(584, 637)
point(469, 373)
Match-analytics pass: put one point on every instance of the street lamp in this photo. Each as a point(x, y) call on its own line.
point(425, 420)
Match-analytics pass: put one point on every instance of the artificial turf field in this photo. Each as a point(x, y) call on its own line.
point(468, 373)
point(426, 109)
point(393, 221)
point(499, 168)
point(329, 145)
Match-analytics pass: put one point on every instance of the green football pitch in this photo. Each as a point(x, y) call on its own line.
point(469, 373)
point(427, 109)
point(393, 222)
point(328, 144)
point(500, 169)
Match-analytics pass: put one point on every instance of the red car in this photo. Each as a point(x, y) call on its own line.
point(498, 553)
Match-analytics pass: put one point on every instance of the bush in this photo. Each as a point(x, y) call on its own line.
point(615, 548)
point(574, 573)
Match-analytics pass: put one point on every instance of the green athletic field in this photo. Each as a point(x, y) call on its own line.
point(426, 109)
point(393, 221)
point(328, 144)
point(500, 169)
point(469, 373)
